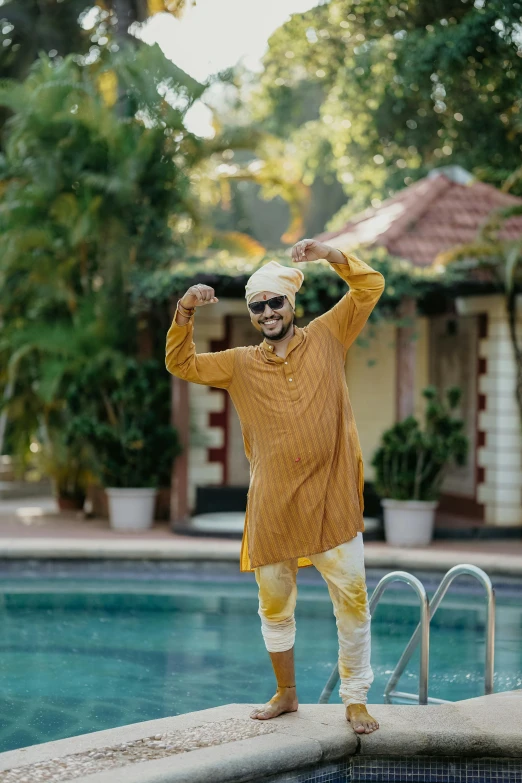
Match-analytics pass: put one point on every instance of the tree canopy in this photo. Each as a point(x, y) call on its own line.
point(88, 193)
point(30, 27)
point(91, 190)
point(379, 93)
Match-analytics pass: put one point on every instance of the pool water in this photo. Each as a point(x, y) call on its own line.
point(84, 654)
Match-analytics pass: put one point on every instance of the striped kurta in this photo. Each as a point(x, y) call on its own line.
point(299, 432)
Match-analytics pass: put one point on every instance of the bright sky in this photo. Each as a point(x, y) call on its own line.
point(216, 34)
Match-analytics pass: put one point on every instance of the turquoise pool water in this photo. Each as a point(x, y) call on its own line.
point(80, 653)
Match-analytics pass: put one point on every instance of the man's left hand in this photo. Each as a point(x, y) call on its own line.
point(311, 250)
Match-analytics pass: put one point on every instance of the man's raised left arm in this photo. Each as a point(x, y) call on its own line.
point(347, 318)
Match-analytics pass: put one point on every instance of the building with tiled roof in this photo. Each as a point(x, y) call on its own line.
point(465, 342)
point(468, 346)
point(445, 209)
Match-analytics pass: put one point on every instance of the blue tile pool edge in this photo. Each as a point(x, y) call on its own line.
point(407, 769)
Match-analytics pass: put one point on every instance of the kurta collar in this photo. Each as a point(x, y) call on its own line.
point(294, 342)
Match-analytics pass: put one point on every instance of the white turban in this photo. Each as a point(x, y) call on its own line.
point(275, 278)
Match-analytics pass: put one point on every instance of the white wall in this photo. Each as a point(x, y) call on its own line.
point(501, 457)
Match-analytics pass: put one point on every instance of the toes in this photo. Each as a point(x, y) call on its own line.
point(260, 715)
point(364, 728)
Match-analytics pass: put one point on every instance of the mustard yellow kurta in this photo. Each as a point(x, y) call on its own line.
point(299, 433)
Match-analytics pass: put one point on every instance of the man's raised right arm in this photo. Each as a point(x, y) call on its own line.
point(210, 369)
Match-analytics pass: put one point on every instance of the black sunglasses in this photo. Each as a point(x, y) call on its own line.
point(275, 303)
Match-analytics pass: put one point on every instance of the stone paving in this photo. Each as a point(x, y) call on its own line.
point(157, 746)
point(223, 745)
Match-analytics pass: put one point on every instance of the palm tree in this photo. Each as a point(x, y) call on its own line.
point(44, 358)
point(88, 199)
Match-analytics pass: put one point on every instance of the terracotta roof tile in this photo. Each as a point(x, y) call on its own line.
point(430, 216)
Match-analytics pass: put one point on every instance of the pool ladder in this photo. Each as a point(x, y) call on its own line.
point(422, 634)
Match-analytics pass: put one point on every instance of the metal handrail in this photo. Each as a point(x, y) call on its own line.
point(434, 604)
point(424, 626)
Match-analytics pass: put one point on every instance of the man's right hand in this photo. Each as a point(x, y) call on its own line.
point(198, 295)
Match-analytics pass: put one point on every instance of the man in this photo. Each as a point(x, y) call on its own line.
point(305, 500)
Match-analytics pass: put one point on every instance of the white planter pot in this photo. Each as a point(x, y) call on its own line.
point(131, 509)
point(409, 522)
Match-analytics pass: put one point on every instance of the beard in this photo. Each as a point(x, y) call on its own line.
point(279, 333)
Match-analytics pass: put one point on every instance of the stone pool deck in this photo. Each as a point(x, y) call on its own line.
point(223, 745)
point(32, 529)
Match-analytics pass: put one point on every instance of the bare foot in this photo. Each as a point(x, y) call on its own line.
point(361, 721)
point(285, 700)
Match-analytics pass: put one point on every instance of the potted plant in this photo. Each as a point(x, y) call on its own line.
point(69, 468)
point(410, 466)
point(126, 424)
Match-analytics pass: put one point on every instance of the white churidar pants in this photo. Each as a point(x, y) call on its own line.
point(342, 568)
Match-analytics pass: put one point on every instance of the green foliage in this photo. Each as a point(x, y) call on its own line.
point(321, 288)
point(31, 27)
point(42, 357)
point(67, 461)
point(411, 462)
point(380, 93)
point(88, 195)
point(91, 191)
point(120, 408)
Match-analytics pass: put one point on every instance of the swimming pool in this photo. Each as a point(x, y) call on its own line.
point(85, 647)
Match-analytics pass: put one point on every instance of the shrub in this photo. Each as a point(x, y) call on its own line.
point(411, 462)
